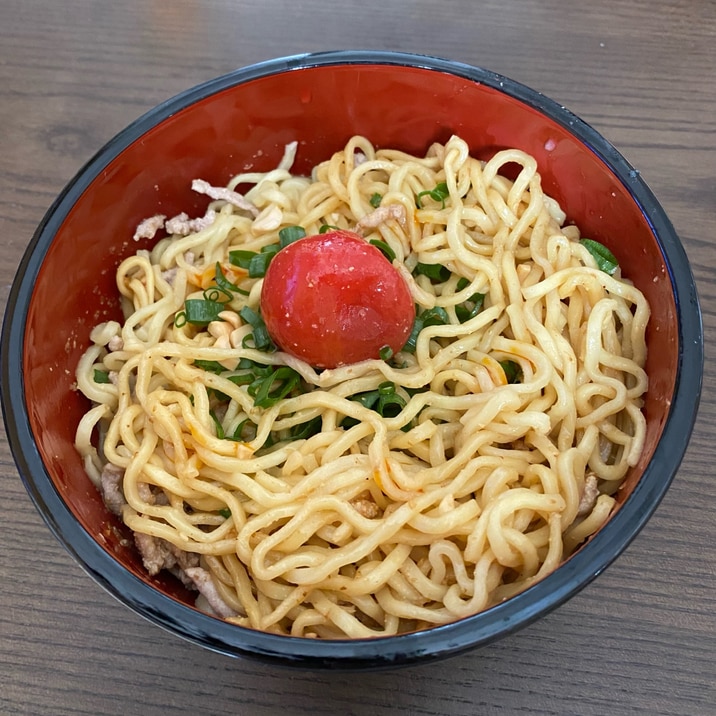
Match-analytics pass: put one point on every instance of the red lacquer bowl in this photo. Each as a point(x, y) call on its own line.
point(243, 120)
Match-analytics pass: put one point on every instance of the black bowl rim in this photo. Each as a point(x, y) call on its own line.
point(384, 652)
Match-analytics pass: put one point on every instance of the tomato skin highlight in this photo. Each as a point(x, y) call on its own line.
point(334, 299)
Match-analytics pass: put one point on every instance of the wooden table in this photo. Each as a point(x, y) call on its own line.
point(639, 640)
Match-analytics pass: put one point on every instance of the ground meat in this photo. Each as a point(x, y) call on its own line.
point(145, 493)
point(381, 215)
point(111, 488)
point(222, 193)
point(148, 228)
point(589, 495)
point(158, 554)
point(365, 505)
point(205, 584)
point(155, 553)
point(182, 225)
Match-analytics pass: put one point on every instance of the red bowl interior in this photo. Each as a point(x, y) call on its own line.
point(246, 127)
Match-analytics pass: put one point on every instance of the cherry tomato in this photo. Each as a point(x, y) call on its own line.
point(334, 299)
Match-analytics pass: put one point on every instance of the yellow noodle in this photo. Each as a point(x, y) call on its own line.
point(381, 525)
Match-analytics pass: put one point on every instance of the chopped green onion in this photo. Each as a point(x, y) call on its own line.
point(268, 391)
point(412, 341)
point(470, 308)
point(222, 282)
point(435, 272)
point(385, 353)
point(436, 316)
point(225, 513)
point(375, 200)
point(439, 193)
point(199, 312)
point(432, 317)
point(241, 258)
point(211, 366)
point(247, 364)
point(386, 388)
point(303, 431)
point(101, 376)
point(261, 338)
point(513, 371)
point(385, 248)
point(605, 259)
point(384, 400)
point(259, 264)
point(243, 379)
point(238, 434)
point(289, 234)
point(390, 404)
point(217, 425)
point(216, 294)
point(328, 227)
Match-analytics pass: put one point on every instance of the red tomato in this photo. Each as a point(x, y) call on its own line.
point(334, 299)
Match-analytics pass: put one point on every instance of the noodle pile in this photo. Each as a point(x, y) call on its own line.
point(515, 425)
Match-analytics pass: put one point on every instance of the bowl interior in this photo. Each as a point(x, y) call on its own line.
point(245, 126)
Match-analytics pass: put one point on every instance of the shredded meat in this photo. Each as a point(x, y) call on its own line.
point(158, 554)
point(111, 488)
point(205, 584)
point(589, 495)
point(221, 192)
point(148, 228)
point(381, 215)
point(182, 225)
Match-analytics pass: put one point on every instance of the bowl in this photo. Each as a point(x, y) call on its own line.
point(244, 119)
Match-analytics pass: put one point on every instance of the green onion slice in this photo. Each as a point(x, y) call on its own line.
point(385, 248)
point(325, 228)
point(289, 234)
point(605, 259)
point(222, 282)
point(276, 386)
point(375, 200)
point(435, 272)
point(513, 371)
point(261, 338)
point(439, 193)
point(241, 258)
point(259, 264)
point(217, 424)
point(101, 376)
point(200, 312)
point(432, 317)
point(210, 366)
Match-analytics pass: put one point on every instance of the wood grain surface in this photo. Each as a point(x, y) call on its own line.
point(641, 639)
